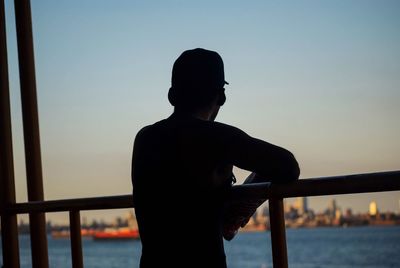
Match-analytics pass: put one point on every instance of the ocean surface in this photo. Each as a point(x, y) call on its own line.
point(307, 248)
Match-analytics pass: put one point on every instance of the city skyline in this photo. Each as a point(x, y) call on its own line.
point(299, 205)
point(320, 79)
point(111, 215)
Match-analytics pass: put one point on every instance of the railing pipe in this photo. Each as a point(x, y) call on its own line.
point(278, 235)
point(30, 118)
point(76, 239)
point(9, 228)
point(347, 184)
point(90, 203)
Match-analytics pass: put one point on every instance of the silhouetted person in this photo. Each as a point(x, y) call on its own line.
point(182, 168)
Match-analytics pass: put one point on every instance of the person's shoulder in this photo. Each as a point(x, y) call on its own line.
point(225, 129)
point(144, 130)
point(148, 129)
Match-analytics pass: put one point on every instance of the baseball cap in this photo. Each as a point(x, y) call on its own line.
point(198, 68)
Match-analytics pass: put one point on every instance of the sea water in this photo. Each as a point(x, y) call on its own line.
point(307, 248)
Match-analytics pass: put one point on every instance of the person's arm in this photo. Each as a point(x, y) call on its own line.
point(268, 161)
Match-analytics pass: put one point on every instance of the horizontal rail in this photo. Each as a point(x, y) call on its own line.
point(89, 203)
point(349, 184)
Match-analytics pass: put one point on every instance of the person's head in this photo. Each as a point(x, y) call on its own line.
point(198, 81)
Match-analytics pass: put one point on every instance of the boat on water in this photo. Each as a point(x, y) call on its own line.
point(117, 234)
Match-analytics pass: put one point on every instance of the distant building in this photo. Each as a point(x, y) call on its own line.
point(349, 213)
point(260, 216)
point(265, 211)
point(373, 208)
point(302, 205)
point(332, 207)
point(131, 219)
point(286, 206)
point(84, 222)
point(338, 214)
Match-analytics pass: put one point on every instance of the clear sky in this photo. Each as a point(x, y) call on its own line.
point(320, 78)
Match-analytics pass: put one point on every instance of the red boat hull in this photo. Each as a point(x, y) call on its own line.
point(116, 235)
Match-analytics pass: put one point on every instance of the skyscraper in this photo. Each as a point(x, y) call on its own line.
point(332, 207)
point(301, 205)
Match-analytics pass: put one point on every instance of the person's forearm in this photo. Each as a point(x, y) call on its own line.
point(288, 171)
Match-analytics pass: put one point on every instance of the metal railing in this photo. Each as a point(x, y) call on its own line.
point(36, 207)
point(359, 183)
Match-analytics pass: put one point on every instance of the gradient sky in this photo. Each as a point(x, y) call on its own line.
point(320, 78)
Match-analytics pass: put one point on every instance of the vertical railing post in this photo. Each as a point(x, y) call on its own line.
point(30, 117)
point(9, 228)
point(76, 239)
point(278, 236)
